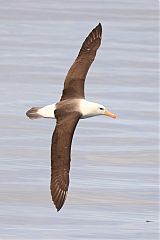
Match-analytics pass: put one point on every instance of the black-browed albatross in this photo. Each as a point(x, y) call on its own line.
point(68, 111)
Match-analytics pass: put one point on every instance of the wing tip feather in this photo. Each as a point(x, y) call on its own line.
point(60, 201)
point(58, 194)
point(93, 40)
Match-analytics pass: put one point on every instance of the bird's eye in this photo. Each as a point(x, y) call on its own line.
point(101, 108)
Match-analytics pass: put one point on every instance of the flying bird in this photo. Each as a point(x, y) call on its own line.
point(68, 111)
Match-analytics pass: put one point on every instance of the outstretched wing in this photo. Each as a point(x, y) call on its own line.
point(74, 82)
point(60, 155)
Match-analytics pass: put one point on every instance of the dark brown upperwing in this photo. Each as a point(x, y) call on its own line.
point(60, 155)
point(74, 82)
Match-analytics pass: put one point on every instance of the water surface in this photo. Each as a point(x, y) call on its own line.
point(114, 175)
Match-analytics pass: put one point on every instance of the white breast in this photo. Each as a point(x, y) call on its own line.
point(88, 109)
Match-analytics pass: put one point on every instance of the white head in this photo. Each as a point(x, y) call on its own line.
point(91, 109)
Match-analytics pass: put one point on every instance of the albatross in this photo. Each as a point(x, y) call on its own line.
point(68, 111)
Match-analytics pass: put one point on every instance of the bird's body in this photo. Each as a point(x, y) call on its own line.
point(87, 109)
point(68, 111)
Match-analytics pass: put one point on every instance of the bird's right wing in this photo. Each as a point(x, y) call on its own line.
point(74, 82)
point(60, 155)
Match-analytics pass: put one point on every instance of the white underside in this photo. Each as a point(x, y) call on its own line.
point(47, 111)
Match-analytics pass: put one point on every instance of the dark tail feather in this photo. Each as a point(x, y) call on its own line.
point(33, 113)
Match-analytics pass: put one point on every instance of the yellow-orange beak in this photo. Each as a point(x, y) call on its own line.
point(109, 114)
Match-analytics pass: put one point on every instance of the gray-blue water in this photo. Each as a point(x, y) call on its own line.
point(114, 174)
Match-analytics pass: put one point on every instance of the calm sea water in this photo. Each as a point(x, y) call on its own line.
point(113, 190)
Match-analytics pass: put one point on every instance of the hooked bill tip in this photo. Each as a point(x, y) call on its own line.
point(114, 116)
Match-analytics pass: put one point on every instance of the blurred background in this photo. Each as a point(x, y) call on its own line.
point(113, 190)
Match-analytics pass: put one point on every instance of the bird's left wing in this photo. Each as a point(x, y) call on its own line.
point(74, 82)
point(60, 155)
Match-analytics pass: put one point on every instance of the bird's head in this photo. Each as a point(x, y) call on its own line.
point(101, 110)
point(91, 109)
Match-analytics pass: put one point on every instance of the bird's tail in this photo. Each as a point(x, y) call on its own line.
point(42, 112)
point(33, 113)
